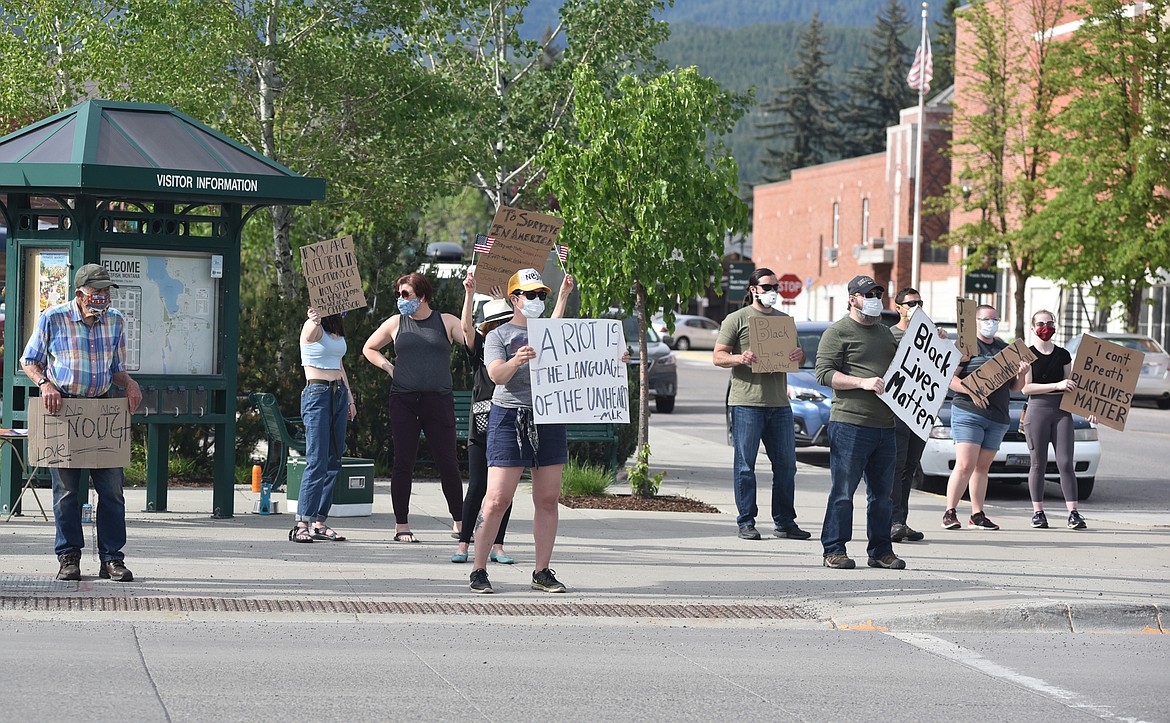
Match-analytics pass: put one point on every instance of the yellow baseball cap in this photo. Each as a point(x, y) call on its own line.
point(526, 280)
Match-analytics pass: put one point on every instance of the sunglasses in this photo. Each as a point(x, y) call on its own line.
point(875, 294)
point(1045, 323)
point(530, 295)
point(406, 293)
point(768, 287)
point(912, 304)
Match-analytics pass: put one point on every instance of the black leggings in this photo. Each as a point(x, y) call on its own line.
point(1046, 422)
point(476, 489)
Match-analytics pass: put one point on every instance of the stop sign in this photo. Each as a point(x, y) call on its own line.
point(790, 286)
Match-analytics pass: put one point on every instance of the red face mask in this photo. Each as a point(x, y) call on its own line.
point(1045, 332)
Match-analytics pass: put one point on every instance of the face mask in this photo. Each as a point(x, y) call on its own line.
point(532, 309)
point(768, 298)
point(1045, 332)
point(97, 308)
point(406, 307)
point(988, 328)
point(872, 307)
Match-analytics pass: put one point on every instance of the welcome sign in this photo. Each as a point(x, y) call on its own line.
point(917, 380)
point(578, 374)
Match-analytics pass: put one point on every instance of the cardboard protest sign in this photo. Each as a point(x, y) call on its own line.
point(917, 380)
point(331, 273)
point(578, 374)
point(85, 433)
point(967, 323)
point(522, 241)
point(998, 370)
point(773, 338)
point(1106, 375)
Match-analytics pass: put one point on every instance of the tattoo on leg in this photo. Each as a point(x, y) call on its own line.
point(478, 522)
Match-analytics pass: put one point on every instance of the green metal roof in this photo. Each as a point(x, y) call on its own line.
point(144, 151)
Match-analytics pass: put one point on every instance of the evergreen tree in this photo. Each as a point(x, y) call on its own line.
point(877, 90)
point(798, 123)
point(944, 46)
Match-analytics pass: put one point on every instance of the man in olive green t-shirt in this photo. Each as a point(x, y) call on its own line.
point(852, 358)
point(759, 412)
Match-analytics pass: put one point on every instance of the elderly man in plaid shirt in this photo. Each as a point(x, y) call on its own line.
point(77, 350)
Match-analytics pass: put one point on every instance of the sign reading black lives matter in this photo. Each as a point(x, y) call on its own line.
point(1106, 375)
point(917, 380)
point(578, 374)
point(998, 370)
point(773, 339)
point(523, 240)
point(331, 273)
point(85, 433)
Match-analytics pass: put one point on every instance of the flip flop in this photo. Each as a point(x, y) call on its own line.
point(401, 536)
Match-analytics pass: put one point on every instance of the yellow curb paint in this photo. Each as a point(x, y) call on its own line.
point(1153, 631)
point(867, 626)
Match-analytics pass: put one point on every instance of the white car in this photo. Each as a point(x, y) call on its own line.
point(1154, 381)
point(1012, 461)
point(690, 332)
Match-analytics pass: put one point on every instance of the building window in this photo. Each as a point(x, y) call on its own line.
point(865, 222)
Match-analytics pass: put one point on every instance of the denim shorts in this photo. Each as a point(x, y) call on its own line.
point(971, 428)
point(502, 450)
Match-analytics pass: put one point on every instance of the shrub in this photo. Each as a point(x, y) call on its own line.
point(585, 480)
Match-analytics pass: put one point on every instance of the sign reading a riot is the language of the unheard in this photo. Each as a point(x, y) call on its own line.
point(85, 433)
point(1106, 375)
point(523, 240)
point(578, 374)
point(773, 339)
point(917, 380)
point(331, 273)
point(998, 370)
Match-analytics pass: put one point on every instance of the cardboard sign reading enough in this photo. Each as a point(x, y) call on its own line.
point(523, 240)
point(998, 370)
point(1106, 375)
point(331, 273)
point(84, 434)
point(773, 339)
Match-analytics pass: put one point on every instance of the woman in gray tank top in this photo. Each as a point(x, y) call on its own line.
point(421, 398)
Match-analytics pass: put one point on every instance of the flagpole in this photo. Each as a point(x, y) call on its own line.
point(916, 252)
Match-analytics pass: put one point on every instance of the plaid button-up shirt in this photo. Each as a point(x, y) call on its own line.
point(80, 359)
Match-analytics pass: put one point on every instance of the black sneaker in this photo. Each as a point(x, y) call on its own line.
point(913, 535)
point(479, 582)
point(890, 561)
point(839, 561)
point(791, 533)
point(1075, 521)
point(749, 532)
point(70, 566)
point(546, 580)
point(979, 521)
point(951, 520)
point(115, 570)
point(1040, 520)
point(898, 532)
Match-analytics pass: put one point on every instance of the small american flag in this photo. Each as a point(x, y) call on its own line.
point(563, 253)
point(922, 71)
point(483, 244)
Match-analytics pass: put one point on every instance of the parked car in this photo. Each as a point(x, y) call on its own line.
point(1013, 460)
point(663, 370)
point(1154, 381)
point(690, 332)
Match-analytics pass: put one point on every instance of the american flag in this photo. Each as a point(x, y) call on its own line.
point(922, 71)
point(563, 253)
point(483, 244)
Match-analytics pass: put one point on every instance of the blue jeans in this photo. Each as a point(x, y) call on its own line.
point(110, 514)
point(324, 411)
point(854, 452)
point(773, 427)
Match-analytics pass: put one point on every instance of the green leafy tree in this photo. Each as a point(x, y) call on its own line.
point(877, 90)
point(648, 195)
point(1002, 141)
point(1107, 222)
point(798, 123)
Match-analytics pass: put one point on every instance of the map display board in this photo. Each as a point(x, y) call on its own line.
point(171, 305)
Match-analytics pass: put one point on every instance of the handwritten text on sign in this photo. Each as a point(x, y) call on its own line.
point(578, 374)
point(1106, 375)
point(773, 339)
point(85, 433)
point(331, 273)
point(523, 240)
point(916, 382)
point(967, 325)
point(998, 370)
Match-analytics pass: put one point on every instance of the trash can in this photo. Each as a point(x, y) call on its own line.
point(353, 492)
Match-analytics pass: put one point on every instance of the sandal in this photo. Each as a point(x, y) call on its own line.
point(404, 535)
point(327, 533)
point(300, 534)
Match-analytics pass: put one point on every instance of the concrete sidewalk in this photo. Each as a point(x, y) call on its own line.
point(1112, 577)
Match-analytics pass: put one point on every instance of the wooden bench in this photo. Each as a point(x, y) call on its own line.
point(283, 434)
